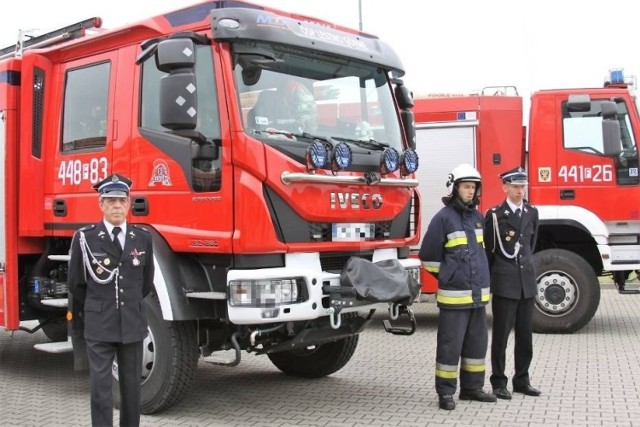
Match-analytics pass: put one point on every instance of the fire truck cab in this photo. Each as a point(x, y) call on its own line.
point(271, 159)
point(580, 149)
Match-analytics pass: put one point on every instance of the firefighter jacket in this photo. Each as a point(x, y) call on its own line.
point(108, 291)
point(510, 241)
point(453, 251)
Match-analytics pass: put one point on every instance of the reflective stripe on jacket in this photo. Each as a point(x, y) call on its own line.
point(453, 251)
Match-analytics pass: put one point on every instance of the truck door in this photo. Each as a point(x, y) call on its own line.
point(586, 176)
point(82, 145)
point(10, 77)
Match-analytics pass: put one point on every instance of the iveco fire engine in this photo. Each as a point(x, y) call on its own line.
point(278, 228)
point(582, 157)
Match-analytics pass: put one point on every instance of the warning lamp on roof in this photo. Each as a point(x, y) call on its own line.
point(229, 23)
point(616, 76)
point(317, 155)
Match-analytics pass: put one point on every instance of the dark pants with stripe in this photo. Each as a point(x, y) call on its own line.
point(101, 355)
point(511, 314)
point(461, 333)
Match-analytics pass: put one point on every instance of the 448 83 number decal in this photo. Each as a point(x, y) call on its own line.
point(580, 173)
point(74, 172)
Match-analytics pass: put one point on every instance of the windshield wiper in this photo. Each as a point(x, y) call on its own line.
point(296, 136)
point(276, 132)
point(364, 143)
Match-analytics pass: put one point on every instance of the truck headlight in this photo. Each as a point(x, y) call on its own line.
point(264, 292)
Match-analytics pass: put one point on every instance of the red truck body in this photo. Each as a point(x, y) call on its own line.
point(252, 224)
point(582, 175)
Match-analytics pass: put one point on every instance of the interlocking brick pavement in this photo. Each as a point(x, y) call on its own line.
point(590, 378)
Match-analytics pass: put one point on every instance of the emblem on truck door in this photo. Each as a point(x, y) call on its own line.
point(355, 201)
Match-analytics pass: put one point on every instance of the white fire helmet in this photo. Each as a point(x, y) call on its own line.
point(462, 173)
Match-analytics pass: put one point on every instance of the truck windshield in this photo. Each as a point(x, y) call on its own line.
point(292, 94)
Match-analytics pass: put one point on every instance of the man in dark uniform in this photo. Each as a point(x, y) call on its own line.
point(110, 272)
point(510, 238)
point(452, 251)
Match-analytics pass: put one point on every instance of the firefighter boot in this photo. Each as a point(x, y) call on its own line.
point(477, 394)
point(445, 401)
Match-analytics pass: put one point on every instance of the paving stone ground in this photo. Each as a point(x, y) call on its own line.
point(589, 378)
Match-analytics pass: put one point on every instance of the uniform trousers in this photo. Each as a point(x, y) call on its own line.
point(461, 333)
point(511, 314)
point(101, 355)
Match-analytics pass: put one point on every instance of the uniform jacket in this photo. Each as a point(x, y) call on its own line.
point(106, 317)
point(512, 278)
point(453, 251)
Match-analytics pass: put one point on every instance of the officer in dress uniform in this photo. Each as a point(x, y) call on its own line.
point(510, 238)
point(110, 272)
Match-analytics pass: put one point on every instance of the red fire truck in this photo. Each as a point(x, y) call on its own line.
point(274, 232)
point(580, 150)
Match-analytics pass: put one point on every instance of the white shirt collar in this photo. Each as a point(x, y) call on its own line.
point(513, 206)
point(110, 226)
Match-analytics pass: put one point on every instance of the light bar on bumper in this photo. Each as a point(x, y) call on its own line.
point(264, 292)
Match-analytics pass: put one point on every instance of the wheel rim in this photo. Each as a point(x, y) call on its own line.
point(557, 293)
point(148, 359)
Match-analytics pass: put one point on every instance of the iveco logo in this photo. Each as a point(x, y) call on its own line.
point(355, 201)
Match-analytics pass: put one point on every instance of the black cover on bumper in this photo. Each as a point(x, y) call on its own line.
point(382, 281)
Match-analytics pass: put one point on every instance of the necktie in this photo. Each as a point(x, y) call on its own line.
point(518, 212)
point(116, 241)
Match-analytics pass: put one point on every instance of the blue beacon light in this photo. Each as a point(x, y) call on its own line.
point(409, 162)
point(616, 75)
point(389, 161)
point(341, 157)
point(317, 155)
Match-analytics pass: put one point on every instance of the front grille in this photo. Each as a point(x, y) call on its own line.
point(334, 263)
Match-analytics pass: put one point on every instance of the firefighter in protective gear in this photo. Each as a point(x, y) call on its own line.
point(453, 251)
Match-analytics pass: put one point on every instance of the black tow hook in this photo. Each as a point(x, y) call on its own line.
point(395, 311)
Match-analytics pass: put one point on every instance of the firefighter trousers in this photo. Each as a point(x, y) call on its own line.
point(462, 339)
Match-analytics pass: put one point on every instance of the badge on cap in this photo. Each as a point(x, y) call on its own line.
point(114, 186)
point(515, 176)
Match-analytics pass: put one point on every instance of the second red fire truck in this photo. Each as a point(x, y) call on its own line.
point(581, 152)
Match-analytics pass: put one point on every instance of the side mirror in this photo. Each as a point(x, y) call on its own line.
point(403, 94)
point(408, 122)
point(178, 95)
point(611, 135)
point(404, 98)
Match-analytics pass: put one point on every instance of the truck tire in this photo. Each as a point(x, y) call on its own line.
point(316, 361)
point(169, 361)
point(55, 330)
point(568, 292)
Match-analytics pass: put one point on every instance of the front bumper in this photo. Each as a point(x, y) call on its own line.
point(318, 302)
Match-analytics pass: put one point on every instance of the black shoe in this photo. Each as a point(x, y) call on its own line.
point(527, 389)
point(445, 401)
point(502, 393)
point(478, 394)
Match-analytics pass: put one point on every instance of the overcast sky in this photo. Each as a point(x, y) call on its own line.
point(446, 46)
